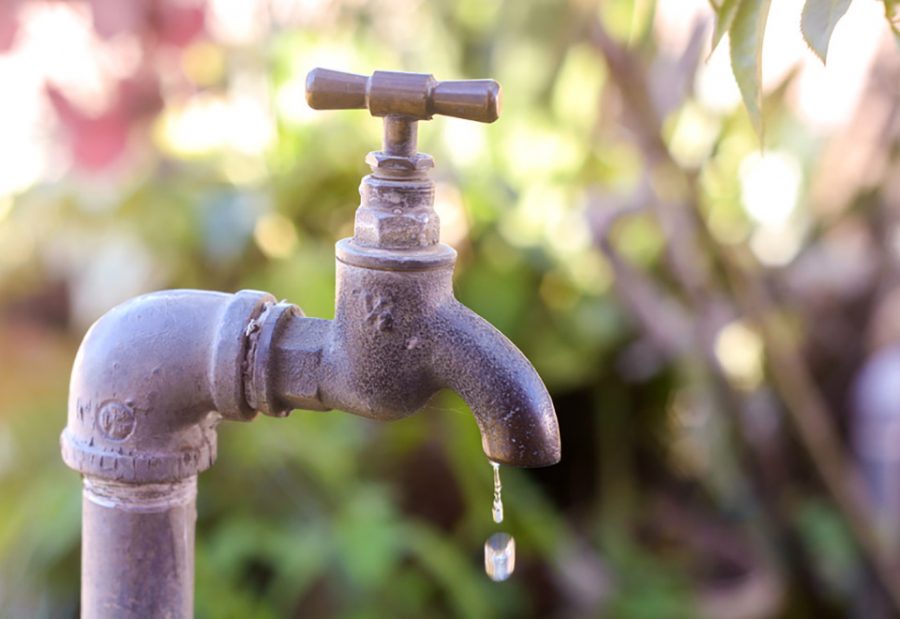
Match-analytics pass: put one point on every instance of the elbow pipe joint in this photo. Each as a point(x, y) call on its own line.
point(151, 381)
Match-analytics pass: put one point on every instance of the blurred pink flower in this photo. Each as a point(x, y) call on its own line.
point(171, 21)
point(97, 141)
point(9, 23)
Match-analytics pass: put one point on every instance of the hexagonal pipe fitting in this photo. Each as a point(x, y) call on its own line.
point(396, 214)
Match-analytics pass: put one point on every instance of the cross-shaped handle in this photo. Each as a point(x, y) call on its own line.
point(414, 96)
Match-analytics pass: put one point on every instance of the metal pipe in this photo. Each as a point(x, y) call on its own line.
point(137, 556)
point(154, 376)
point(151, 381)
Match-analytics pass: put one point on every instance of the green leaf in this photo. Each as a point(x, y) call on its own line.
point(746, 35)
point(818, 21)
point(892, 14)
point(725, 13)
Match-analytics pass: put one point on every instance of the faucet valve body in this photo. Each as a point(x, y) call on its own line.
point(155, 375)
point(403, 335)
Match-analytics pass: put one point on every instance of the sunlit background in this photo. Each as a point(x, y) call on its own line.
point(152, 144)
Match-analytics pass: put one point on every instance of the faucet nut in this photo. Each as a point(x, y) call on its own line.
point(401, 228)
point(381, 162)
point(396, 214)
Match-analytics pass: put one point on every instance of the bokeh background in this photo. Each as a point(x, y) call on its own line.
point(717, 318)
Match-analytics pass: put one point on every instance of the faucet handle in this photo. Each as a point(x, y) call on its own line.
point(415, 96)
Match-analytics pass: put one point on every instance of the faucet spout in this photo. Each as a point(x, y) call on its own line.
point(154, 376)
point(511, 405)
point(399, 336)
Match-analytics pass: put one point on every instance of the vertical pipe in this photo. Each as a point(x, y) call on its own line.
point(137, 557)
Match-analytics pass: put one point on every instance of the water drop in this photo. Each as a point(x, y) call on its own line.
point(497, 507)
point(500, 556)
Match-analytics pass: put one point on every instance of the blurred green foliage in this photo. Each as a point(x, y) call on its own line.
point(329, 515)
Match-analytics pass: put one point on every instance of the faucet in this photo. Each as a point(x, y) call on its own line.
point(154, 376)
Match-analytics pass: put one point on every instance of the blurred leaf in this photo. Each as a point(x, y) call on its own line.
point(826, 537)
point(368, 538)
point(500, 295)
point(647, 587)
point(747, 32)
point(576, 93)
point(296, 551)
point(467, 593)
point(892, 14)
point(818, 21)
point(627, 20)
point(725, 13)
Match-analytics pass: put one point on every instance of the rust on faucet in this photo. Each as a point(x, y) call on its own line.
point(154, 376)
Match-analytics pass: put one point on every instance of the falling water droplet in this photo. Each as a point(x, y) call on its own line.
point(500, 556)
point(497, 507)
point(500, 548)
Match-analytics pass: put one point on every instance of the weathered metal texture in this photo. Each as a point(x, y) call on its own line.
point(396, 214)
point(154, 376)
point(147, 378)
point(402, 99)
point(399, 336)
point(416, 96)
point(137, 549)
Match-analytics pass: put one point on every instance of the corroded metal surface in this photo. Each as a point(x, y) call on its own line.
point(151, 380)
point(137, 549)
point(396, 214)
point(414, 95)
point(400, 336)
point(154, 376)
